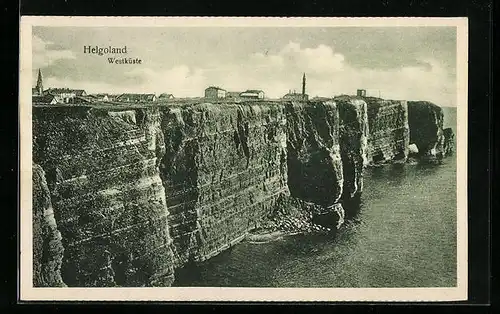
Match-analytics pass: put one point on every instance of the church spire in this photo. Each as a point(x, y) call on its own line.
point(39, 83)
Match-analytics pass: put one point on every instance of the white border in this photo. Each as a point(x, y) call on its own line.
point(29, 293)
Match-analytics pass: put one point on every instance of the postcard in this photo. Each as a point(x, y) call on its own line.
point(243, 159)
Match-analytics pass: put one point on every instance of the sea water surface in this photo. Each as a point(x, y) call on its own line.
point(403, 236)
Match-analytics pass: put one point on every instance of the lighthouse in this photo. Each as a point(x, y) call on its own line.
point(304, 87)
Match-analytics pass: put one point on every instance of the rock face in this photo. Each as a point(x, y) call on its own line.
point(224, 171)
point(136, 192)
point(314, 162)
point(354, 131)
point(412, 149)
point(389, 130)
point(426, 128)
point(108, 198)
point(449, 141)
point(315, 172)
point(47, 246)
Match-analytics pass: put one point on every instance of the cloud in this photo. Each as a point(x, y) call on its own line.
point(320, 59)
point(267, 61)
point(43, 56)
point(181, 80)
point(329, 73)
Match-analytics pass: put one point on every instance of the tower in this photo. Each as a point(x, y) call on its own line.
point(304, 85)
point(39, 83)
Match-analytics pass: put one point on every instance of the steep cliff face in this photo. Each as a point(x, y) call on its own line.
point(426, 128)
point(109, 202)
point(138, 191)
point(449, 141)
point(389, 130)
point(224, 171)
point(354, 133)
point(47, 246)
point(315, 172)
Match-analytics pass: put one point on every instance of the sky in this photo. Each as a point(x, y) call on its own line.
point(409, 63)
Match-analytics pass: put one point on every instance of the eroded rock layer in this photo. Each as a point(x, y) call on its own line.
point(47, 246)
point(354, 132)
point(449, 141)
point(315, 172)
point(426, 128)
point(224, 171)
point(388, 138)
point(109, 202)
point(139, 190)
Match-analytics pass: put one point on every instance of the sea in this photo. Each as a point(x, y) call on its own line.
point(403, 236)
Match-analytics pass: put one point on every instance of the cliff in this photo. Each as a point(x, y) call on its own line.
point(47, 246)
point(315, 172)
point(108, 199)
point(389, 130)
point(224, 171)
point(137, 191)
point(426, 128)
point(449, 141)
point(354, 132)
point(314, 162)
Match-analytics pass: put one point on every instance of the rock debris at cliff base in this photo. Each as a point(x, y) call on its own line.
point(139, 191)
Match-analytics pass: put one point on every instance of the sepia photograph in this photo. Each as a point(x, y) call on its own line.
point(243, 159)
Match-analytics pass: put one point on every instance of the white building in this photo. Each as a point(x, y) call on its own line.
point(253, 94)
point(295, 96)
point(66, 95)
point(215, 92)
point(46, 99)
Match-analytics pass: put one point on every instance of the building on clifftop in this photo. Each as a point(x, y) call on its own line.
point(233, 95)
point(361, 92)
point(66, 95)
point(136, 98)
point(165, 96)
point(215, 92)
point(298, 96)
point(45, 99)
point(252, 94)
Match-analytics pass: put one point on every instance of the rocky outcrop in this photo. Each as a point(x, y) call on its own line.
point(315, 172)
point(354, 133)
point(108, 198)
point(389, 130)
point(412, 149)
point(293, 215)
point(426, 128)
point(449, 141)
point(47, 246)
point(224, 171)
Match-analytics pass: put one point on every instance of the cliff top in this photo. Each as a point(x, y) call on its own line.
point(182, 103)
